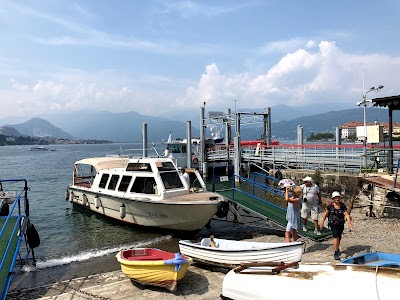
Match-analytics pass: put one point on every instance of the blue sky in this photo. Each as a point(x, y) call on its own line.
point(155, 56)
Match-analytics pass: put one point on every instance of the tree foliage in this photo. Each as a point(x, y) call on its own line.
point(323, 136)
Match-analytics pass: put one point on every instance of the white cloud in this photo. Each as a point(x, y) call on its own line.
point(282, 46)
point(300, 77)
point(313, 76)
point(188, 9)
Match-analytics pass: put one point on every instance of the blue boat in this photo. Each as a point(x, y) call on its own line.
point(15, 229)
point(374, 259)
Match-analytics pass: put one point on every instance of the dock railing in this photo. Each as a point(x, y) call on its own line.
point(338, 158)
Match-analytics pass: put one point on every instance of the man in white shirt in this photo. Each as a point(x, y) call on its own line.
point(311, 203)
point(186, 176)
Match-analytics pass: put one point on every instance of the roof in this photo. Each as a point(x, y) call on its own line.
point(392, 102)
point(100, 163)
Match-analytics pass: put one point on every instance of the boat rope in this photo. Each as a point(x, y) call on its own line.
point(67, 285)
point(376, 282)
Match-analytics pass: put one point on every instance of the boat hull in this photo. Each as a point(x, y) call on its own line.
point(229, 253)
point(154, 271)
point(380, 259)
point(180, 216)
point(259, 283)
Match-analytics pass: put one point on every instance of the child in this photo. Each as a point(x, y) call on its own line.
point(292, 213)
point(336, 212)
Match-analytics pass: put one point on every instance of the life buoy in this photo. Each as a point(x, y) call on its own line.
point(223, 148)
point(223, 210)
point(195, 160)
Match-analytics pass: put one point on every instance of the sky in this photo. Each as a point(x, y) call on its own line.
point(157, 56)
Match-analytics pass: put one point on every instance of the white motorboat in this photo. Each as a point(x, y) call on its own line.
point(278, 283)
point(230, 253)
point(148, 191)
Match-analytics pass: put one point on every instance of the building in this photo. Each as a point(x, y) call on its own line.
point(349, 129)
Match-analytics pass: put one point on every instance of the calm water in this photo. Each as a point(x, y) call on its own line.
point(67, 234)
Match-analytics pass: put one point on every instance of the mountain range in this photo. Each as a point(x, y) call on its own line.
point(127, 127)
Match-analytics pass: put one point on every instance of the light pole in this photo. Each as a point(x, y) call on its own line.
point(364, 102)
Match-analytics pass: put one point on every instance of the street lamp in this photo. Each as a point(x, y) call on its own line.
point(364, 102)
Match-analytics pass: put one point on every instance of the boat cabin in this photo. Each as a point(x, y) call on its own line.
point(148, 176)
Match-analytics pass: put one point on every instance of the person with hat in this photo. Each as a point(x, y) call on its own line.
point(337, 214)
point(311, 203)
point(293, 212)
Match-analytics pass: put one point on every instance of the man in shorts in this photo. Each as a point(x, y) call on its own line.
point(311, 203)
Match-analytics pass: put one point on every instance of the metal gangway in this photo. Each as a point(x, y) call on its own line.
point(254, 195)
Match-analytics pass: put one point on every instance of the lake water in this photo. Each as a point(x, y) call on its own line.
point(68, 234)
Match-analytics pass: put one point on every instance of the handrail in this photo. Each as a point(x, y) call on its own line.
point(18, 227)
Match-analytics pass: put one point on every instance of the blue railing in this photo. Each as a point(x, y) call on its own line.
point(21, 220)
point(255, 185)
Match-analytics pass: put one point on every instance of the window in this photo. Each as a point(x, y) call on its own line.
point(103, 181)
point(144, 185)
point(171, 180)
point(165, 166)
point(113, 182)
point(139, 167)
point(123, 185)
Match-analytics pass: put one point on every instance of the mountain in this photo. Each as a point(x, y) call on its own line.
point(9, 131)
point(119, 127)
point(37, 127)
point(325, 122)
point(127, 127)
point(279, 112)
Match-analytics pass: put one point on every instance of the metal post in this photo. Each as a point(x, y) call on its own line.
point(238, 155)
point(299, 135)
point(365, 132)
point(144, 136)
point(189, 144)
point(203, 157)
point(267, 126)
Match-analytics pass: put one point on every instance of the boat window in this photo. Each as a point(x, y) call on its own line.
point(139, 167)
point(113, 182)
point(103, 181)
point(144, 185)
point(171, 180)
point(123, 185)
point(165, 166)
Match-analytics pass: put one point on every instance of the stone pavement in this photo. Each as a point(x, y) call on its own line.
point(199, 283)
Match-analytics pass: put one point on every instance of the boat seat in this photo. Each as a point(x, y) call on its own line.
point(145, 258)
point(206, 243)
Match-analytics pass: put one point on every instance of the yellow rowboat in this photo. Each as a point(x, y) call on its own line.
point(150, 266)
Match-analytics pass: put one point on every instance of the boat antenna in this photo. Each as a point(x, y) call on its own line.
point(155, 150)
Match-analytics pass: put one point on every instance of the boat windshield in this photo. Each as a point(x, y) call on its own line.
point(165, 166)
point(176, 148)
point(171, 179)
point(84, 175)
point(139, 167)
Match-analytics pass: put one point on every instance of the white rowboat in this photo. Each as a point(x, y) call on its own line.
point(230, 253)
point(357, 282)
